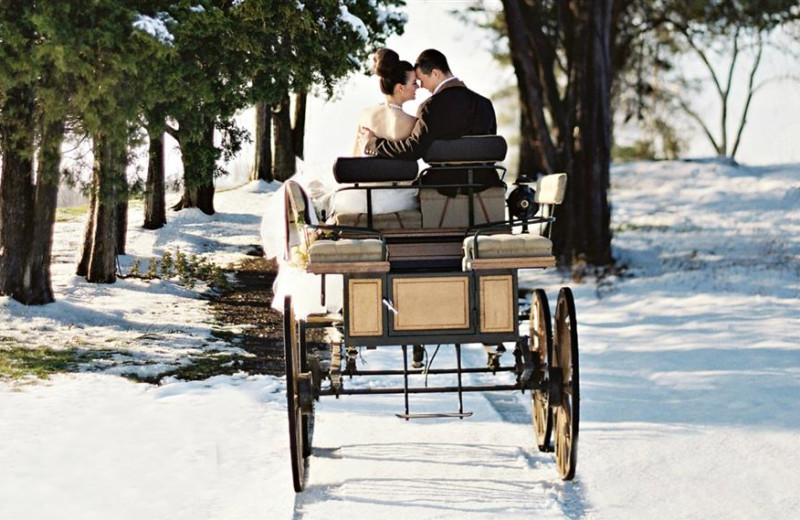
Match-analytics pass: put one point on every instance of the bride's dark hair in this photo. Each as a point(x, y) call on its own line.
point(391, 69)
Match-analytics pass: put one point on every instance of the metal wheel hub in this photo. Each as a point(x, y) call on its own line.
point(305, 393)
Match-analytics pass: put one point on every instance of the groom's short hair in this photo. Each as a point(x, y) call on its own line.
point(430, 59)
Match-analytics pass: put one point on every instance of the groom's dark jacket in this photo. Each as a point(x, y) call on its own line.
point(453, 112)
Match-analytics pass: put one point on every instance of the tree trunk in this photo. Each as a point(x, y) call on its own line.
point(539, 141)
point(106, 185)
point(82, 269)
point(588, 212)
point(38, 288)
point(561, 56)
point(299, 122)
point(262, 164)
point(16, 186)
point(284, 161)
point(155, 207)
point(199, 165)
point(121, 210)
point(530, 163)
point(121, 221)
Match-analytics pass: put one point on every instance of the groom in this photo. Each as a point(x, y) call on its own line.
point(451, 112)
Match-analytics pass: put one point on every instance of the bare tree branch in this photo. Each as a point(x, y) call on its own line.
point(699, 120)
point(725, 96)
point(750, 92)
point(701, 53)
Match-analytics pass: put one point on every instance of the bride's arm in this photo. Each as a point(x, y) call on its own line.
point(356, 151)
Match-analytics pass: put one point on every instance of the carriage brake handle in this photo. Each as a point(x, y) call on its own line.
point(390, 305)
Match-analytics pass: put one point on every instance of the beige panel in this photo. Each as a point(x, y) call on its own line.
point(497, 303)
point(512, 263)
point(431, 303)
point(348, 267)
point(441, 249)
point(365, 312)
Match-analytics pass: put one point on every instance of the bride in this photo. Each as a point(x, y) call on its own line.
point(398, 83)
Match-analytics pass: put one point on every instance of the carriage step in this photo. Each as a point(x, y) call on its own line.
point(458, 415)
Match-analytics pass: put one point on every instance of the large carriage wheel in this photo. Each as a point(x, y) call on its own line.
point(541, 345)
point(297, 431)
point(567, 416)
point(305, 378)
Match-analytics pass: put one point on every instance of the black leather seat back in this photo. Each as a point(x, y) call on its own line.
point(473, 149)
point(351, 170)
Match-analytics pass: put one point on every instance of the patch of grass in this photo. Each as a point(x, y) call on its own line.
point(209, 366)
point(188, 269)
point(69, 214)
point(18, 362)
point(202, 367)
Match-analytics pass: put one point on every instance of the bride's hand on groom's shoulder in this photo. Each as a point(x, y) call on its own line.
point(366, 141)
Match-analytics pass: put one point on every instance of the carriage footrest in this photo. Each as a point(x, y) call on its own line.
point(459, 415)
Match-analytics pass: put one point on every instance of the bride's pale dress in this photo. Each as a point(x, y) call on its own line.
point(385, 120)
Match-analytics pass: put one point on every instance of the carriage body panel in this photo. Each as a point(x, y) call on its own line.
point(442, 307)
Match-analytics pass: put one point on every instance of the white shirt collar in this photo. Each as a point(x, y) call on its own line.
point(439, 86)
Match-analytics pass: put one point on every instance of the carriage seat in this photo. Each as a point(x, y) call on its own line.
point(526, 250)
point(507, 250)
point(347, 255)
point(324, 255)
point(376, 171)
point(449, 161)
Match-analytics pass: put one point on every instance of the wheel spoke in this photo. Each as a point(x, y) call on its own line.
point(541, 346)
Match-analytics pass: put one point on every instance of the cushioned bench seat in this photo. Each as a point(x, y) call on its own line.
point(507, 251)
point(410, 219)
point(347, 256)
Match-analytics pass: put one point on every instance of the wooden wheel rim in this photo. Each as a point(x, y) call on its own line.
point(567, 415)
point(541, 345)
point(296, 430)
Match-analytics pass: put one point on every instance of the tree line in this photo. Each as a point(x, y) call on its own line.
point(582, 65)
point(122, 73)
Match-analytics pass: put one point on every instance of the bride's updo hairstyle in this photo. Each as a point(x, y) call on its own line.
point(391, 69)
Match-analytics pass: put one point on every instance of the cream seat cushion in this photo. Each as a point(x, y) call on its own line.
point(346, 250)
point(508, 246)
point(411, 219)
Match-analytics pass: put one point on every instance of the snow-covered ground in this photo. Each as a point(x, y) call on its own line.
point(690, 367)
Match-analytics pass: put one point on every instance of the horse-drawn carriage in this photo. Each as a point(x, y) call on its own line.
point(443, 274)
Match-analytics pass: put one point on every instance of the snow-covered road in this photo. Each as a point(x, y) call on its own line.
point(690, 369)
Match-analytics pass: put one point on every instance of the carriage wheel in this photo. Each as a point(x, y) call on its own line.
point(541, 345)
point(567, 416)
point(305, 378)
point(297, 435)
